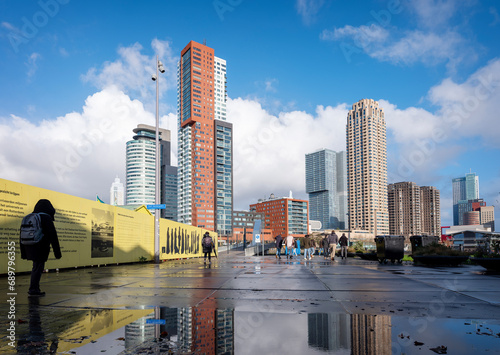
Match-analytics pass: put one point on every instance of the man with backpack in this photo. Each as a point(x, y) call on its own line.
point(207, 244)
point(37, 234)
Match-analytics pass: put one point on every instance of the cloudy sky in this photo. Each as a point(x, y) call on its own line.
point(76, 79)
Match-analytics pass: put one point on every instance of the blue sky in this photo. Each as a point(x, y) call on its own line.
point(70, 70)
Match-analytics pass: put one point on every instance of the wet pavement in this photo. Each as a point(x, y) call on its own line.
point(248, 305)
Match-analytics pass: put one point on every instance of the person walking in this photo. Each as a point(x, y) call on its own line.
point(39, 252)
point(325, 243)
point(333, 240)
point(279, 244)
point(207, 244)
point(313, 248)
point(289, 243)
point(307, 247)
point(343, 246)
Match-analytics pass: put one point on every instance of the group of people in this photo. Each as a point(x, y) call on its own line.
point(328, 246)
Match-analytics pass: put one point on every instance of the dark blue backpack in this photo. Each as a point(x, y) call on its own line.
point(31, 229)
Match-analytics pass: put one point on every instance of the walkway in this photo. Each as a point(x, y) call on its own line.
point(266, 300)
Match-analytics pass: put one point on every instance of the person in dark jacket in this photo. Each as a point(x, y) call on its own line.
point(325, 243)
point(343, 246)
point(307, 247)
point(39, 253)
point(207, 244)
point(279, 245)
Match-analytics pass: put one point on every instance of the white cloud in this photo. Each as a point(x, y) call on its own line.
point(10, 27)
point(270, 149)
point(308, 9)
point(433, 13)
point(31, 64)
point(412, 47)
point(362, 35)
point(271, 85)
point(79, 153)
point(417, 46)
point(431, 34)
point(471, 108)
point(132, 71)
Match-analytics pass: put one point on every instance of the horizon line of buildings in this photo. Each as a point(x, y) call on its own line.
point(347, 190)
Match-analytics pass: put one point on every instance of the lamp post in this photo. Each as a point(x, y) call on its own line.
point(155, 77)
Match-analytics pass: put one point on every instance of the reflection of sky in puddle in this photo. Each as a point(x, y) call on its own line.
point(213, 331)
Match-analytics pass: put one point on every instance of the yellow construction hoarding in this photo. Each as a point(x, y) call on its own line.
point(91, 232)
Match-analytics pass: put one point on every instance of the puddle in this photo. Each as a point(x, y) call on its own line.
point(199, 330)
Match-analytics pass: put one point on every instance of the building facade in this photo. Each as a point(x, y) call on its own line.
point(367, 168)
point(465, 206)
point(487, 217)
point(117, 193)
point(169, 192)
point(404, 209)
point(141, 170)
point(430, 207)
point(326, 184)
point(285, 216)
point(224, 176)
point(413, 210)
point(464, 189)
point(205, 190)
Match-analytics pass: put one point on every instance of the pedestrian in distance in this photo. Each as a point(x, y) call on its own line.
point(343, 246)
point(313, 248)
point(333, 240)
point(207, 244)
point(289, 243)
point(325, 243)
point(307, 247)
point(279, 244)
point(37, 235)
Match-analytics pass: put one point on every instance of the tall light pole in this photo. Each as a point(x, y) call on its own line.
point(155, 77)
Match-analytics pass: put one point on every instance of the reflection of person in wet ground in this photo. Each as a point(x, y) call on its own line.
point(34, 342)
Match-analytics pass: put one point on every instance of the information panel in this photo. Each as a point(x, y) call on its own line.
point(90, 232)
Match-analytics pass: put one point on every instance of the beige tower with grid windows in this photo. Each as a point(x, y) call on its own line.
point(367, 168)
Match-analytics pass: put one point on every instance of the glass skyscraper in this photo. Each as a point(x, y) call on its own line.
point(141, 170)
point(465, 188)
point(326, 184)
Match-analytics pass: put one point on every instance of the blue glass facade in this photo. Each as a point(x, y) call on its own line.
point(224, 176)
point(464, 189)
point(326, 184)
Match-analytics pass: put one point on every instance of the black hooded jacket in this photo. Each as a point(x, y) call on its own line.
point(40, 251)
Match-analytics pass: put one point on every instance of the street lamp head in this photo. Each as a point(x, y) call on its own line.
point(160, 67)
point(153, 77)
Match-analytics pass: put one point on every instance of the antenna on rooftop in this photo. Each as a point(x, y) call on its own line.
point(204, 41)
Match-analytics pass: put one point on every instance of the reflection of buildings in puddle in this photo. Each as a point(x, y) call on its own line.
point(371, 334)
point(143, 329)
point(364, 334)
point(139, 331)
point(206, 330)
point(329, 331)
